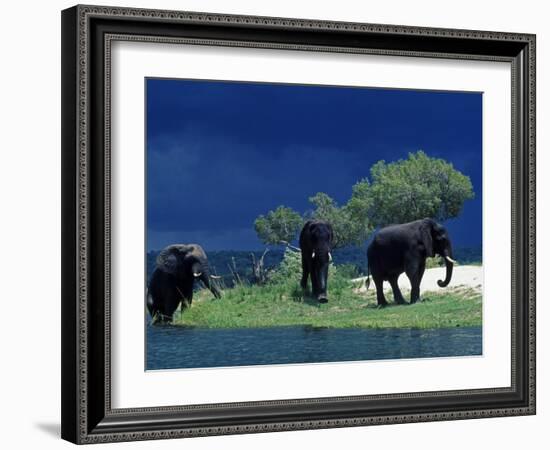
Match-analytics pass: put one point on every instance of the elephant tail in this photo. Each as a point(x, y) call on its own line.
point(367, 281)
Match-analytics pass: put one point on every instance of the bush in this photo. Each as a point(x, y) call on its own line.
point(285, 279)
point(347, 271)
point(290, 268)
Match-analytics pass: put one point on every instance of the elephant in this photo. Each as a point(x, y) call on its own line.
point(404, 248)
point(177, 267)
point(316, 241)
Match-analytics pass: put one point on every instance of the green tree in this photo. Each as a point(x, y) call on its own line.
point(325, 208)
point(280, 225)
point(357, 210)
point(415, 188)
point(398, 192)
point(350, 222)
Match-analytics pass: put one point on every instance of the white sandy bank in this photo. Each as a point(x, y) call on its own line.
point(463, 276)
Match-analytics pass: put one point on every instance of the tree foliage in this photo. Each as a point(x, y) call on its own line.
point(398, 192)
point(357, 209)
point(279, 225)
point(415, 188)
point(326, 209)
point(350, 222)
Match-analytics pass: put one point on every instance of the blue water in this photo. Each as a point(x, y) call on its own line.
point(178, 347)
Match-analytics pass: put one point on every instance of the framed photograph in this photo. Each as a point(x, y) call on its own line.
point(278, 224)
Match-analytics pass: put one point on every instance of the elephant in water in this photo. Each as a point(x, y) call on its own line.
point(178, 266)
point(316, 241)
point(404, 248)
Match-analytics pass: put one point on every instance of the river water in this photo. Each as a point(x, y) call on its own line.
point(179, 347)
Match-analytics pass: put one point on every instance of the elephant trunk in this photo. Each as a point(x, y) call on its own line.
point(205, 278)
point(215, 291)
point(449, 269)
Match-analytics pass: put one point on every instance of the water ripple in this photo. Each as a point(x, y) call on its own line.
point(178, 347)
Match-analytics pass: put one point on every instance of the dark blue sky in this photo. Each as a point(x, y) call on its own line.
point(221, 153)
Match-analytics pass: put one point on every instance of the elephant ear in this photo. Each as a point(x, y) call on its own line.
point(426, 237)
point(167, 260)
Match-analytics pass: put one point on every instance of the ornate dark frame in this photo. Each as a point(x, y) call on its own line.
point(87, 33)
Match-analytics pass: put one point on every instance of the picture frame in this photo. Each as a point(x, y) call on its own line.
point(87, 413)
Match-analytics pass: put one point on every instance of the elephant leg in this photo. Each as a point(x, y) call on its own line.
point(415, 277)
point(169, 304)
point(305, 274)
point(314, 283)
point(187, 294)
point(397, 296)
point(379, 283)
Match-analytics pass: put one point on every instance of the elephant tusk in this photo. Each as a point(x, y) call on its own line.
point(197, 274)
point(451, 260)
point(215, 277)
point(329, 257)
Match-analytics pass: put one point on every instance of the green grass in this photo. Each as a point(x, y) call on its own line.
point(283, 304)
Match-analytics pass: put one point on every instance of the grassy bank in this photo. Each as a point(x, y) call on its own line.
point(281, 302)
point(283, 305)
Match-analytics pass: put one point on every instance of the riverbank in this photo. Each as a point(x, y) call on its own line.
point(350, 305)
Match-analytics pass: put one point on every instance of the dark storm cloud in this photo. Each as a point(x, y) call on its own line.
point(219, 154)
